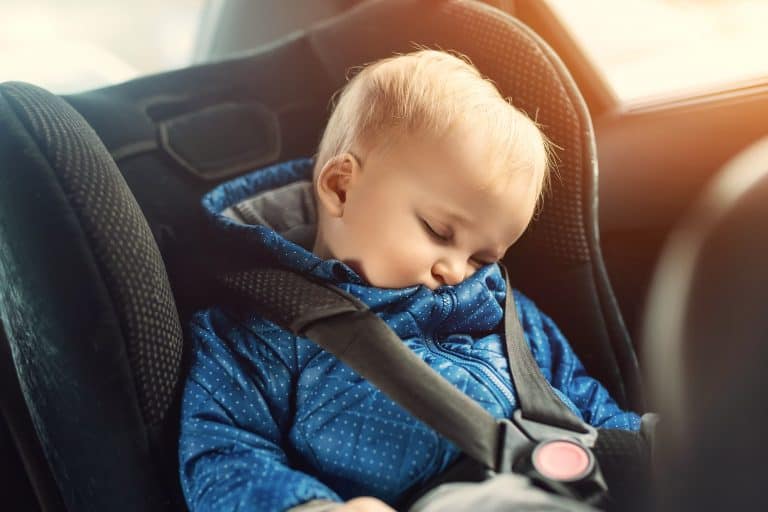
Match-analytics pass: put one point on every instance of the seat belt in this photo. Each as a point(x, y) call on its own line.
point(345, 326)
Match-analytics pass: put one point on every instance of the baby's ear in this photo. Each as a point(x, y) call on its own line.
point(333, 181)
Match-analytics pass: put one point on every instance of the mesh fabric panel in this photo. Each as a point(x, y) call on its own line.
point(129, 261)
point(624, 458)
point(288, 299)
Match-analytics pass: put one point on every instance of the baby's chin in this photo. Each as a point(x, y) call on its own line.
point(396, 285)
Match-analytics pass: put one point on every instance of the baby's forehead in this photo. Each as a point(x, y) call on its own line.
point(457, 166)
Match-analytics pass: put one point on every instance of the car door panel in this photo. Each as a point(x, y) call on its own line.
point(654, 162)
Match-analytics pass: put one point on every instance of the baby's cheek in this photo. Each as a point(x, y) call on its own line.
point(395, 253)
point(409, 263)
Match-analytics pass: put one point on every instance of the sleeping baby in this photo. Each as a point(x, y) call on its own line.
point(424, 177)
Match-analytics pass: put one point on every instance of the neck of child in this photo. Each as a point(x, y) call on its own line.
point(320, 248)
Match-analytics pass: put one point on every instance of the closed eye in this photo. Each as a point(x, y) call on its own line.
point(434, 233)
point(481, 263)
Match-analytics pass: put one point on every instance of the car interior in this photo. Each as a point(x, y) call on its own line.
point(105, 251)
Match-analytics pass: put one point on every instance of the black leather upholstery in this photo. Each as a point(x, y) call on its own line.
point(92, 326)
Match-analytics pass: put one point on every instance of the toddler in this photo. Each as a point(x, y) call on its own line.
point(424, 177)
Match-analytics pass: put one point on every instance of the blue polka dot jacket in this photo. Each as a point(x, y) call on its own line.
point(270, 420)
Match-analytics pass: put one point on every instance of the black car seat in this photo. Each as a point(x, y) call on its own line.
point(100, 197)
point(707, 331)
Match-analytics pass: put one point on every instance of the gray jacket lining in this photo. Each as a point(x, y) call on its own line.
point(290, 210)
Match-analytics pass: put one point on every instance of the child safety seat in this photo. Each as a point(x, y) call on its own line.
point(105, 251)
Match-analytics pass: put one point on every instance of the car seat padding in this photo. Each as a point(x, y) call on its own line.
point(86, 304)
point(222, 140)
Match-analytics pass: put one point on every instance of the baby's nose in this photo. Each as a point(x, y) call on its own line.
point(449, 273)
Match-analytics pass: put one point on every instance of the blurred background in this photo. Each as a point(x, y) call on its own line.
point(73, 45)
point(645, 48)
point(662, 47)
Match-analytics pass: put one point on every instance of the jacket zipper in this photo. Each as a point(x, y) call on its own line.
point(497, 387)
point(478, 364)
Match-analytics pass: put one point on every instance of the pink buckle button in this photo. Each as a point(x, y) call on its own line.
point(562, 460)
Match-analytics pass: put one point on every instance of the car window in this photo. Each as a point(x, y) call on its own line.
point(650, 48)
point(72, 45)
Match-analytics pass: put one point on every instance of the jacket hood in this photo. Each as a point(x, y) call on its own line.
point(273, 215)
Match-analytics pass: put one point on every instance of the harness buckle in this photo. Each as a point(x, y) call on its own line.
point(556, 459)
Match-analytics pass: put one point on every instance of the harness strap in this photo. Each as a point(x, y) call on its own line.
point(344, 326)
point(537, 400)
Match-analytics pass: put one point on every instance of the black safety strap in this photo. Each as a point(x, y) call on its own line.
point(344, 326)
point(537, 400)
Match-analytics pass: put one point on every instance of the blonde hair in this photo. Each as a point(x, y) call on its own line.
point(435, 91)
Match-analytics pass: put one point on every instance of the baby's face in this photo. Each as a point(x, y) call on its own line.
point(416, 212)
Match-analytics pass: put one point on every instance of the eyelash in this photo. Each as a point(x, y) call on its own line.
point(482, 263)
point(434, 233)
point(444, 239)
